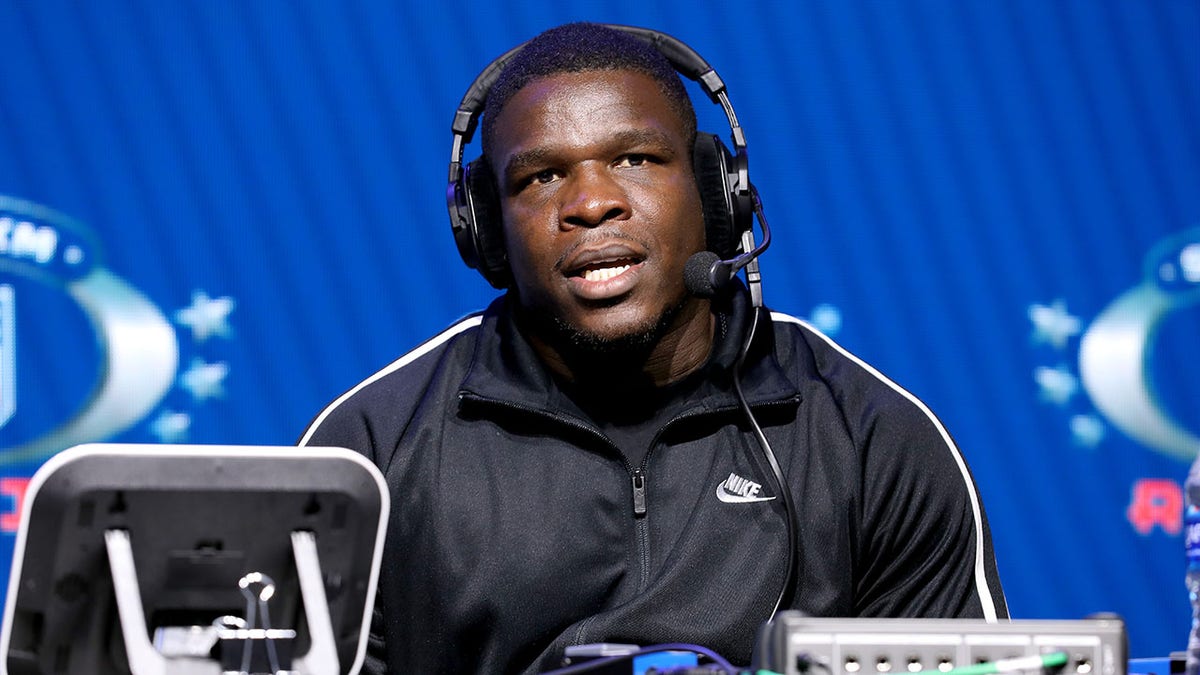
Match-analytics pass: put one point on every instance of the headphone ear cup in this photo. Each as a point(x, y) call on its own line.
point(710, 162)
point(485, 244)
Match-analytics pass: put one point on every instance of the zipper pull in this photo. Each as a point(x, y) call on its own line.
point(639, 493)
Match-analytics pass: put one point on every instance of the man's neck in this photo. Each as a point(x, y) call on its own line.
point(681, 349)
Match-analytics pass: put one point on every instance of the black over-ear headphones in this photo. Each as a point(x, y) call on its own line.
point(721, 176)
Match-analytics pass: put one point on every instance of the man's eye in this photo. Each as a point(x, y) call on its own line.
point(544, 176)
point(632, 160)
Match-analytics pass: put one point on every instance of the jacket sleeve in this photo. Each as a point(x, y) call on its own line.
point(926, 549)
point(376, 659)
point(336, 427)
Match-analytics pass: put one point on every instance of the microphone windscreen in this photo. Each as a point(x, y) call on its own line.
point(697, 274)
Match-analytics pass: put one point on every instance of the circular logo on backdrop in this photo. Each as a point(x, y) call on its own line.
point(1116, 353)
point(1117, 366)
point(52, 273)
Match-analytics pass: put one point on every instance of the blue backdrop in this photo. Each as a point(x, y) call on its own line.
point(215, 216)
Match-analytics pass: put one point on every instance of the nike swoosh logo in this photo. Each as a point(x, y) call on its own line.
point(730, 498)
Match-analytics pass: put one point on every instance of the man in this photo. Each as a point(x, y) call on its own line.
point(573, 465)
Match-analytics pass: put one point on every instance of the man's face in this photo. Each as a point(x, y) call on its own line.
point(600, 208)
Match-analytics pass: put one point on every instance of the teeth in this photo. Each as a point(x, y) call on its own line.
point(604, 273)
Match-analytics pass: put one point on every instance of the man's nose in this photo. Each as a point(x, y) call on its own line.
point(593, 198)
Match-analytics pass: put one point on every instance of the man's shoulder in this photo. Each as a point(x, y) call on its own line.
point(872, 405)
point(456, 341)
point(445, 355)
point(811, 354)
point(801, 346)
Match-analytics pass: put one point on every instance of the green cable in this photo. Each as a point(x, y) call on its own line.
point(1050, 660)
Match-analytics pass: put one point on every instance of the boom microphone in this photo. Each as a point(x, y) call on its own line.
point(706, 273)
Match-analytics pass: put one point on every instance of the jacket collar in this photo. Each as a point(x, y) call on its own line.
point(506, 369)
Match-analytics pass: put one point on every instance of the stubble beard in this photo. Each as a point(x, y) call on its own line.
point(634, 343)
point(590, 355)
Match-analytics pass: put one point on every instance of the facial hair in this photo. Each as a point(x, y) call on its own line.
point(636, 343)
point(593, 357)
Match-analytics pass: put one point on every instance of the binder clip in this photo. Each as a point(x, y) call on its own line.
point(247, 649)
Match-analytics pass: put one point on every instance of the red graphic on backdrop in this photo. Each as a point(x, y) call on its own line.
point(14, 489)
point(1156, 501)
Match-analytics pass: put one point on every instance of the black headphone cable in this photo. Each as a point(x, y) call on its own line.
point(789, 507)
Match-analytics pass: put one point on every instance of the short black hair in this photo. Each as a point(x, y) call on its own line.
point(581, 47)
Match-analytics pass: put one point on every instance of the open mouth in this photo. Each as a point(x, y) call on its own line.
point(606, 272)
point(603, 264)
point(603, 271)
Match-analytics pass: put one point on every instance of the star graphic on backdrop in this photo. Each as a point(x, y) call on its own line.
point(826, 318)
point(171, 426)
point(203, 380)
point(1057, 385)
point(206, 316)
point(1053, 324)
point(1087, 430)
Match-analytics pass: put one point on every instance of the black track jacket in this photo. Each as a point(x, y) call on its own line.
point(517, 528)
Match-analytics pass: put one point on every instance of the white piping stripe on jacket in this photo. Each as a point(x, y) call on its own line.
point(981, 583)
point(426, 347)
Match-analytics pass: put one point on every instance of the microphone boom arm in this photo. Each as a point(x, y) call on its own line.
point(749, 259)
